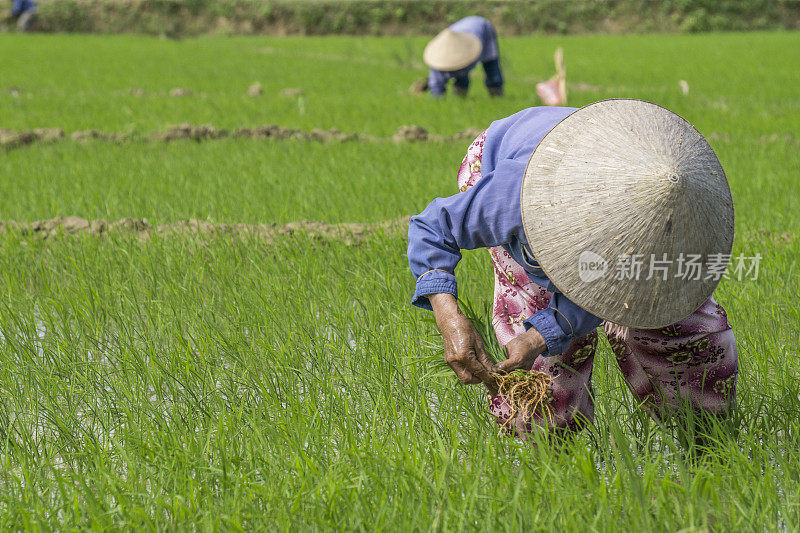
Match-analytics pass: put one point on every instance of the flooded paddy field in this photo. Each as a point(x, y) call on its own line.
point(202, 330)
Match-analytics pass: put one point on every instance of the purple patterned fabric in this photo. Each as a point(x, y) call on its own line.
point(694, 360)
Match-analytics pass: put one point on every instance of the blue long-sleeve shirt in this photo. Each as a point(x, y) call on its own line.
point(489, 214)
point(21, 6)
point(480, 28)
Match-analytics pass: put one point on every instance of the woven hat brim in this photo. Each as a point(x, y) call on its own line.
point(624, 179)
point(450, 51)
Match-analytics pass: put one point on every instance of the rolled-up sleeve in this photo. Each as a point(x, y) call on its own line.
point(561, 322)
point(486, 215)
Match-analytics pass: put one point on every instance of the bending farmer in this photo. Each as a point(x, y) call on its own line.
point(616, 214)
point(456, 51)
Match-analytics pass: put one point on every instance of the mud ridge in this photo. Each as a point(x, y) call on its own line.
point(15, 138)
point(10, 139)
point(349, 232)
point(764, 235)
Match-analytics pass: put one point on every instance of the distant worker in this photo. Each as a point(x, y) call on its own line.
point(25, 13)
point(455, 52)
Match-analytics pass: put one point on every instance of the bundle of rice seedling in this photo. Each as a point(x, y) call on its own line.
point(527, 395)
point(522, 395)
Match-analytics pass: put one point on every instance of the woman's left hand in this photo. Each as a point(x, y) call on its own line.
point(522, 351)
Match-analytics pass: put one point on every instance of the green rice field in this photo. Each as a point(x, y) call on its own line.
point(234, 382)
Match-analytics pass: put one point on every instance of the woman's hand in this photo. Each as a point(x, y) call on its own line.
point(522, 351)
point(463, 348)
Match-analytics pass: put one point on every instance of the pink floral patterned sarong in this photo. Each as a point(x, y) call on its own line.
point(691, 362)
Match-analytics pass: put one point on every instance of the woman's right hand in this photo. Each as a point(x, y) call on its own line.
point(463, 348)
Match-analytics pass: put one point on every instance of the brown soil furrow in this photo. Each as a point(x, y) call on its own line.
point(16, 138)
point(72, 225)
point(10, 139)
point(349, 232)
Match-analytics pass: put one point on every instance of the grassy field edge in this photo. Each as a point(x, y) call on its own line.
point(176, 18)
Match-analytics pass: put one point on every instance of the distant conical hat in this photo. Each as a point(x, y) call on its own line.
point(452, 50)
point(624, 182)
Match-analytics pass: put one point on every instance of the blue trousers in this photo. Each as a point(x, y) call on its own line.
point(494, 78)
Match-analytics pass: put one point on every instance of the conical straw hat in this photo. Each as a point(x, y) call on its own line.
point(620, 183)
point(452, 50)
